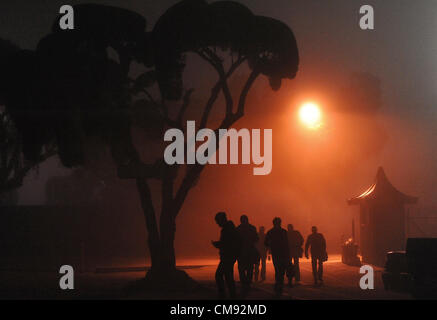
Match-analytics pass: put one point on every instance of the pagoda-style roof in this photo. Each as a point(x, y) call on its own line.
point(382, 190)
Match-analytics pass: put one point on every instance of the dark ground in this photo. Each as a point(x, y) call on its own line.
point(341, 282)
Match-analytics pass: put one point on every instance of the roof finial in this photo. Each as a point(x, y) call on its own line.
point(380, 174)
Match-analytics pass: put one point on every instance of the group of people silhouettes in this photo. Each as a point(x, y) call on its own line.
point(250, 248)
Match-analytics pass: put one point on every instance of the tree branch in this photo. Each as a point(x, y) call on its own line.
point(184, 106)
point(195, 171)
point(187, 183)
point(139, 170)
point(229, 121)
point(221, 84)
point(150, 217)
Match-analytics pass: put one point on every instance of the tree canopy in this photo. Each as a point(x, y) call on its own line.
point(77, 85)
point(191, 25)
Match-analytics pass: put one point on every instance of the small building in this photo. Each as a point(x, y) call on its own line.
point(382, 219)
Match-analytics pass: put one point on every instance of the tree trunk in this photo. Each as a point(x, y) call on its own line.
point(167, 225)
point(167, 232)
point(150, 219)
point(163, 275)
point(161, 244)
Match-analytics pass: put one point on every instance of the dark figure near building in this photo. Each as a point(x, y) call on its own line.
point(262, 250)
point(229, 246)
point(318, 254)
point(277, 241)
point(248, 254)
point(295, 243)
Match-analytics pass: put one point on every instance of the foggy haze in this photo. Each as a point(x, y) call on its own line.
point(314, 173)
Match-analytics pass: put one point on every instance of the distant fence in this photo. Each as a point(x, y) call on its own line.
point(45, 237)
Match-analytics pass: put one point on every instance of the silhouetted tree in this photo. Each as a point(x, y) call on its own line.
point(221, 33)
point(72, 88)
point(13, 166)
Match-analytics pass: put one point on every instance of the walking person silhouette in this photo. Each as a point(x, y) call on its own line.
point(229, 247)
point(248, 253)
point(318, 254)
point(277, 241)
point(295, 243)
point(262, 255)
